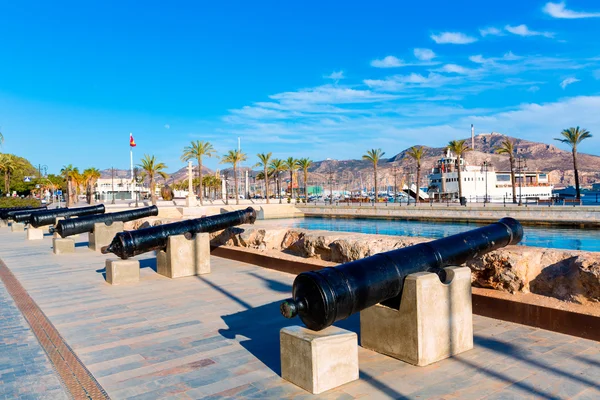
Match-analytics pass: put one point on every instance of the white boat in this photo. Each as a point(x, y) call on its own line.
point(481, 183)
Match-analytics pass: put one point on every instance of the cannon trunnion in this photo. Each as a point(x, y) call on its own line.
point(328, 295)
point(78, 225)
point(131, 243)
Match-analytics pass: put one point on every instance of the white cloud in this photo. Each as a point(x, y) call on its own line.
point(335, 75)
point(167, 126)
point(456, 69)
point(568, 81)
point(491, 31)
point(479, 59)
point(510, 56)
point(452, 38)
point(523, 30)
point(533, 89)
point(388, 62)
point(559, 10)
point(424, 54)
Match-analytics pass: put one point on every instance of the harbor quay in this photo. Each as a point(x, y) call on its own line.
point(67, 332)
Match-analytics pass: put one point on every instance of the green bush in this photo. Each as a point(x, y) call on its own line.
point(6, 202)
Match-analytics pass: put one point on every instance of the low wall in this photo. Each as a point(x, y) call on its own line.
point(538, 215)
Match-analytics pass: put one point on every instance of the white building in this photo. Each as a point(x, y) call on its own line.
point(120, 189)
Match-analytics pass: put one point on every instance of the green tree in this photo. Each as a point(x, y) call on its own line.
point(304, 164)
point(508, 147)
point(459, 148)
point(151, 169)
point(70, 175)
point(90, 177)
point(277, 167)
point(263, 161)
point(573, 137)
point(291, 165)
point(1, 139)
point(234, 157)
point(197, 150)
point(417, 153)
point(9, 163)
point(374, 155)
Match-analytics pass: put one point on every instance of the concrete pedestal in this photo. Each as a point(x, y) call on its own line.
point(63, 246)
point(318, 361)
point(191, 201)
point(17, 227)
point(35, 233)
point(103, 234)
point(3, 223)
point(435, 319)
point(185, 257)
point(120, 272)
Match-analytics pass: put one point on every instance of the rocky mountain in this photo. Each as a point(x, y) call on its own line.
point(539, 156)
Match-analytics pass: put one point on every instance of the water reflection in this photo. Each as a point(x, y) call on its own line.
point(557, 238)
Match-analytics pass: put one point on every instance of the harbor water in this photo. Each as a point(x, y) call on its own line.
point(543, 236)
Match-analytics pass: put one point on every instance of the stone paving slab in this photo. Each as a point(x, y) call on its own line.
point(25, 371)
point(217, 336)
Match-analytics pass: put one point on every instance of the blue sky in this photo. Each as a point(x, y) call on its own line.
point(298, 78)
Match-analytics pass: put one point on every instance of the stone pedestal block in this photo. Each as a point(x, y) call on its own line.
point(191, 201)
point(318, 361)
point(17, 227)
point(3, 223)
point(120, 272)
point(103, 234)
point(185, 257)
point(63, 246)
point(435, 319)
point(35, 233)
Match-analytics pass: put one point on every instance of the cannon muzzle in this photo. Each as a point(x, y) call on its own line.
point(331, 294)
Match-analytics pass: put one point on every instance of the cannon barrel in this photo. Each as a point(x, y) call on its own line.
point(6, 213)
point(48, 217)
point(24, 215)
point(74, 226)
point(328, 295)
point(131, 243)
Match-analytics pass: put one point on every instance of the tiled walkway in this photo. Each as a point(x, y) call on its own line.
point(25, 371)
point(217, 336)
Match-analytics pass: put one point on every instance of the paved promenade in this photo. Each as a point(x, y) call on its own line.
point(217, 336)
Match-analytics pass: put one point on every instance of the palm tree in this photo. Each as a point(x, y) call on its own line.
point(1, 139)
point(417, 152)
point(277, 166)
point(291, 164)
point(304, 164)
point(69, 174)
point(508, 147)
point(8, 164)
point(90, 176)
point(263, 161)
point(234, 157)
point(572, 137)
point(197, 150)
point(459, 148)
point(374, 155)
point(150, 169)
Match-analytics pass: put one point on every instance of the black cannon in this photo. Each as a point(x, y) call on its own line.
point(5, 213)
point(131, 243)
point(48, 217)
point(328, 295)
point(74, 226)
point(24, 215)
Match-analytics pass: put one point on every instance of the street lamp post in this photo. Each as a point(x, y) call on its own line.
point(521, 166)
point(485, 169)
point(113, 185)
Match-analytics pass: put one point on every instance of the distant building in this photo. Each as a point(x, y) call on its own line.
point(121, 191)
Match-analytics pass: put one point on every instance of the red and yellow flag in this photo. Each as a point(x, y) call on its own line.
point(131, 141)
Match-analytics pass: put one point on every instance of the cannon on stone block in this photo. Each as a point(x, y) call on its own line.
point(332, 294)
point(49, 217)
point(132, 243)
point(5, 212)
point(74, 226)
point(23, 215)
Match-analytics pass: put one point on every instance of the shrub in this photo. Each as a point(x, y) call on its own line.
point(6, 202)
point(167, 193)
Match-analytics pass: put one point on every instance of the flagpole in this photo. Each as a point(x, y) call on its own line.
point(131, 165)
